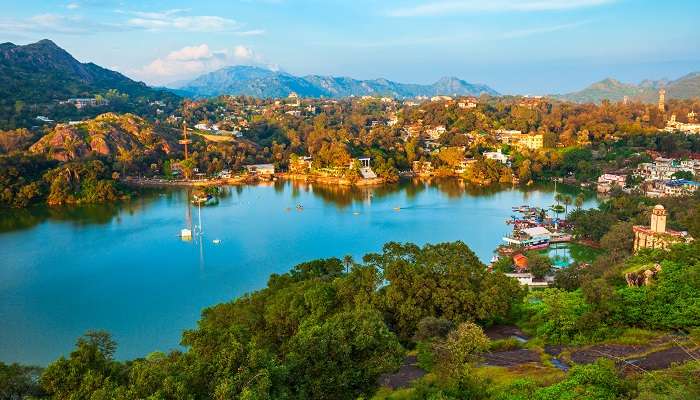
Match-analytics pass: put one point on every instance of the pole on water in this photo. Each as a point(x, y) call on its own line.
point(200, 217)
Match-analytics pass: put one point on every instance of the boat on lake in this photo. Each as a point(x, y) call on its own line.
point(201, 198)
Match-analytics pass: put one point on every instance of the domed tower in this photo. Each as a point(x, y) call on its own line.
point(658, 219)
point(662, 100)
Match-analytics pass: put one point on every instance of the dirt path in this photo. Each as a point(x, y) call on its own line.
point(408, 372)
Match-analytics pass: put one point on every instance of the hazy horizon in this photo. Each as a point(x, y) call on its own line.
point(516, 47)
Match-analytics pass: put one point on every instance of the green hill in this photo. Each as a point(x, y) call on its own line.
point(686, 87)
point(35, 77)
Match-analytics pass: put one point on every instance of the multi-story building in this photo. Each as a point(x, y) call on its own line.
point(665, 168)
point(607, 182)
point(532, 141)
point(689, 128)
point(496, 155)
point(657, 236)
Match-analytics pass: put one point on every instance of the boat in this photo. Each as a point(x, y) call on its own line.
point(186, 234)
point(300, 207)
point(558, 237)
point(201, 198)
point(539, 246)
point(397, 208)
point(216, 241)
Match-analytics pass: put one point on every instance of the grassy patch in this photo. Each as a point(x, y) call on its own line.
point(505, 344)
point(634, 337)
point(389, 394)
point(541, 375)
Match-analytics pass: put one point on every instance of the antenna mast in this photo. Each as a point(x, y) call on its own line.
point(184, 140)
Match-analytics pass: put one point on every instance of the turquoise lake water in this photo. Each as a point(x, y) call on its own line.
point(124, 269)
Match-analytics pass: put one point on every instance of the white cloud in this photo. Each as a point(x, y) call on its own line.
point(436, 8)
point(54, 24)
point(546, 29)
point(168, 20)
point(252, 32)
point(191, 61)
point(174, 20)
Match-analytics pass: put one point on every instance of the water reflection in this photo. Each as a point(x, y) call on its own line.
point(124, 268)
point(341, 197)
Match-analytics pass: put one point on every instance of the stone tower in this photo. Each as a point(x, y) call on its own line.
point(658, 219)
point(662, 100)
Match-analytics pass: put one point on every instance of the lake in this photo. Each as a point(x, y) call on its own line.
point(124, 268)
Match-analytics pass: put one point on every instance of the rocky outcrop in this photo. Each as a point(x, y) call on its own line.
point(108, 134)
point(642, 277)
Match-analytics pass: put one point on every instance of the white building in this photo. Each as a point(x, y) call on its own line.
point(440, 98)
point(527, 279)
point(496, 155)
point(206, 127)
point(468, 103)
point(436, 132)
point(674, 126)
point(664, 168)
point(607, 182)
point(261, 169)
point(673, 188)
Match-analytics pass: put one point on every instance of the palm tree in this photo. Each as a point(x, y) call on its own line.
point(567, 202)
point(559, 198)
point(347, 261)
point(579, 201)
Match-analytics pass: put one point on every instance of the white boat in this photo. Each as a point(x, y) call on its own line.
point(186, 234)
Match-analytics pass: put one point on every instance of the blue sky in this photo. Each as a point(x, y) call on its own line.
point(515, 46)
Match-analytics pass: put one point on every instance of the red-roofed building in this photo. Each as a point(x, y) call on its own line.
point(520, 262)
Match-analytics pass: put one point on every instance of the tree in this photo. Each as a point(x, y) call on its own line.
point(578, 202)
point(598, 381)
point(89, 369)
point(683, 175)
point(431, 327)
point(18, 382)
point(567, 202)
point(619, 240)
point(347, 262)
point(504, 264)
point(451, 156)
point(591, 224)
point(465, 342)
point(539, 265)
point(556, 314)
point(445, 280)
point(342, 357)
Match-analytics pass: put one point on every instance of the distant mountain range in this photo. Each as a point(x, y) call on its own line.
point(265, 83)
point(647, 91)
point(42, 72)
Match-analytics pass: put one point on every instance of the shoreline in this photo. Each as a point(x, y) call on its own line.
point(251, 179)
point(331, 180)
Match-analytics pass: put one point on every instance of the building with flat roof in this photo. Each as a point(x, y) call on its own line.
point(532, 141)
point(261, 169)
